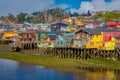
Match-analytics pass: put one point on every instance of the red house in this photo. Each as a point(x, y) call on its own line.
point(113, 23)
point(107, 36)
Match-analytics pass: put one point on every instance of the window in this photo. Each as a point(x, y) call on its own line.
point(30, 39)
point(58, 42)
point(92, 43)
point(97, 36)
point(61, 42)
point(67, 42)
point(25, 39)
point(77, 36)
point(98, 42)
point(81, 35)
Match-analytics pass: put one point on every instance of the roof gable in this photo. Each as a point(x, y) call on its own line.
point(98, 30)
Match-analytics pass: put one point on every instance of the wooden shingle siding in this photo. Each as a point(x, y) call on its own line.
point(27, 37)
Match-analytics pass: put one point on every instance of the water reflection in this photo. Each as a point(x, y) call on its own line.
point(12, 70)
point(100, 73)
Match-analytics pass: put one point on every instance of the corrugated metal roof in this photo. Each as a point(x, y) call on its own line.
point(53, 32)
point(98, 30)
point(52, 36)
point(59, 24)
point(68, 34)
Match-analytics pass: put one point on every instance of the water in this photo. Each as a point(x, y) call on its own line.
point(12, 70)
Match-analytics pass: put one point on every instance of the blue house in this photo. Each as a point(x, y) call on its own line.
point(64, 40)
point(6, 26)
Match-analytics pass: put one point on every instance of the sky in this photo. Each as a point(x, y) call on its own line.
point(81, 6)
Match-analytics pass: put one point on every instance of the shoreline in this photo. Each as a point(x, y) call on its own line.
point(51, 62)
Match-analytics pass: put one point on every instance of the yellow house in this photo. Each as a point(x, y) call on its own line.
point(99, 38)
point(69, 20)
point(79, 23)
point(71, 28)
point(102, 38)
point(109, 45)
point(95, 41)
point(8, 35)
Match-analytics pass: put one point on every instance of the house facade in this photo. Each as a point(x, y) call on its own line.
point(113, 23)
point(99, 38)
point(9, 35)
point(88, 38)
point(117, 41)
point(28, 37)
point(64, 40)
point(71, 28)
point(59, 26)
point(109, 39)
point(46, 39)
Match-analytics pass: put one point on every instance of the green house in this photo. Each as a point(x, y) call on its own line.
point(40, 36)
point(45, 39)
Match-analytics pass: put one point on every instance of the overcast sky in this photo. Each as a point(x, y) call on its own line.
point(80, 6)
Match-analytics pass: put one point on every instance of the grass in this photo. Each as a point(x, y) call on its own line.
point(1, 44)
point(57, 63)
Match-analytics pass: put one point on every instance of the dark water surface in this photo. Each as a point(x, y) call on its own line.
point(12, 70)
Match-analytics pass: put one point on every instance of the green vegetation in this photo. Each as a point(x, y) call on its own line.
point(46, 16)
point(102, 16)
point(111, 15)
point(57, 63)
point(3, 45)
point(57, 14)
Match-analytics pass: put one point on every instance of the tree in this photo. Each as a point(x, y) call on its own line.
point(11, 17)
point(111, 15)
point(69, 13)
point(21, 17)
point(97, 15)
point(2, 18)
point(46, 16)
point(88, 13)
point(80, 17)
point(75, 14)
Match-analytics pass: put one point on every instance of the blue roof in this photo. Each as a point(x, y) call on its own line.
point(52, 32)
point(6, 26)
point(68, 34)
point(52, 36)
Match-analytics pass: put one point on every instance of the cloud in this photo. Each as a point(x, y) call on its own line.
point(97, 5)
point(17, 6)
point(63, 6)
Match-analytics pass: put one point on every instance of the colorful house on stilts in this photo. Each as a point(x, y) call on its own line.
point(46, 39)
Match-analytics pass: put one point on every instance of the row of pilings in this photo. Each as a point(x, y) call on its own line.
point(25, 46)
point(83, 53)
point(76, 53)
point(29, 46)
